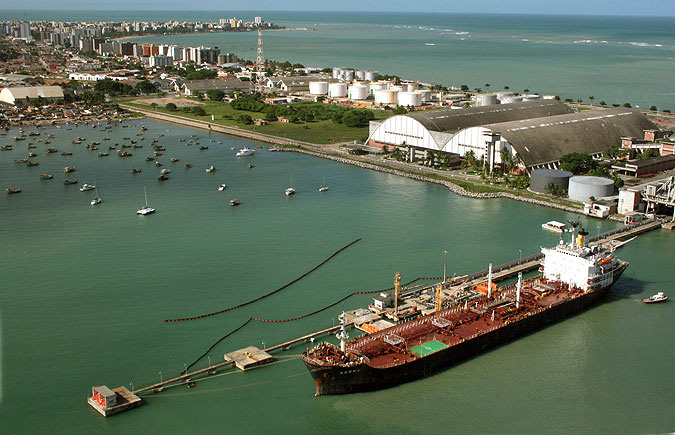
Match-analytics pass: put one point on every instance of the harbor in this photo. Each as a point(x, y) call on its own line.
point(453, 294)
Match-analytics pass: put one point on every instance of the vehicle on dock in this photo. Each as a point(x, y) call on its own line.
point(659, 297)
point(554, 226)
point(575, 276)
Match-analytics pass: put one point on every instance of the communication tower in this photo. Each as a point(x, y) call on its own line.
point(260, 65)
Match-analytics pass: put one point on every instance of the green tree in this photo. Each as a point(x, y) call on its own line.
point(577, 163)
point(245, 119)
point(215, 95)
point(400, 110)
point(145, 87)
point(653, 108)
point(627, 105)
point(170, 106)
point(199, 111)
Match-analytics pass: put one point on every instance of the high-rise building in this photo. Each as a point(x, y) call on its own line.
point(258, 20)
point(24, 31)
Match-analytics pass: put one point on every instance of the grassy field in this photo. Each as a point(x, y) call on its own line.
point(318, 132)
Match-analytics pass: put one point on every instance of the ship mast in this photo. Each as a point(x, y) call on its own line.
point(342, 333)
point(397, 290)
point(489, 292)
point(518, 288)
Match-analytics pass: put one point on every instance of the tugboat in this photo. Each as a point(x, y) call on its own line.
point(659, 297)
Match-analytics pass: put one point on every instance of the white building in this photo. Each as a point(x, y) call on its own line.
point(34, 94)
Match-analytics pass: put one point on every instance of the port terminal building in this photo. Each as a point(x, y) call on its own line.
point(536, 133)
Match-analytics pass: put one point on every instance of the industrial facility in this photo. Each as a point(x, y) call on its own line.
point(537, 133)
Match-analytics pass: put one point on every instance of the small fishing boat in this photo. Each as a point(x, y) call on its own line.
point(52, 150)
point(203, 147)
point(174, 160)
point(20, 160)
point(211, 169)
point(11, 190)
point(96, 200)
point(136, 171)
point(149, 159)
point(31, 163)
point(6, 148)
point(66, 153)
point(86, 187)
point(222, 187)
point(32, 154)
point(158, 164)
point(122, 153)
point(68, 182)
point(246, 151)
point(103, 154)
point(46, 176)
point(162, 177)
point(234, 202)
point(187, 165)
point(659, 297)
point(69, 169)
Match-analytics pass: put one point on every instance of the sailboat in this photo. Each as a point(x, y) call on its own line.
point(96, 200)
point(323, 187)
point(289, 190)
point(145, 210)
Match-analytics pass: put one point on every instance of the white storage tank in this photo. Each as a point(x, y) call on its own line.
point(513, 99)
point(337, 90)
point(409, 99)
point(487, 100)
point(318, 88)
point(385, 96)
point(531, 97)
point(337, 72)
point(412, 86)
point(398, 88)
point(360, 75)
point(502, 95)
point(549, 97)
point(371, 76)
point(425, 94)
point(582, 187)
point(348, 75)
point(358, 92)
point(376, 86)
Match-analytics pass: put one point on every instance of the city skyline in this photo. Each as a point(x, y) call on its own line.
point(573, 7)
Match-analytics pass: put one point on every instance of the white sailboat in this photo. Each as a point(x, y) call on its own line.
point(289, 190)
point(97, 199)
point(323, 187)
point(145, 210)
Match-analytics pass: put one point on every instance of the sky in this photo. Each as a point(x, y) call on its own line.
point(566, 7)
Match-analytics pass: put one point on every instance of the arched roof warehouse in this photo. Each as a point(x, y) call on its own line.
point(543, 140)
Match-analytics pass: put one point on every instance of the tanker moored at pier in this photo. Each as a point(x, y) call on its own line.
point(574, 276)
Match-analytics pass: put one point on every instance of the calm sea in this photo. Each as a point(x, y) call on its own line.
point(84, 292)
point(613, 59)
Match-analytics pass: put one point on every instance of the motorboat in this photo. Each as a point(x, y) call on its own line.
point(68, 182)
point(203, 147)
point(165, 171)
point(211, 169)
point(136, 171)
point(86, 187)
point(659, 297)
point(66, 153)
point(251, 166)
point(246, 151)
point(174, 160)
point(187, 165)
point(69, 169)
point(20, 160)
point(46, 176)
point(162, 177)
point(103, 154)
point(31, 163)
point(95, 201)
point(11, 190)
point(289, 191)
point(234, 202)
point(555, 226)
point(32, 154)
point(145, 210)
point(222, 187)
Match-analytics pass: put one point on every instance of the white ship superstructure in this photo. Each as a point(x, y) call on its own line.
point(578, 265)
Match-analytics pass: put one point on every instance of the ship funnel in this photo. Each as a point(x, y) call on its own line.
point(581, 236)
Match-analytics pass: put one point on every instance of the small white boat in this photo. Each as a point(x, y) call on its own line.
point(96, 200)
point(145, 210)
point(211, 169)
point(323, 187)
point(289, 191)
point(246, 151)
point(222, 187)
point(234, 202)
point(555, 226)
point(165, 171)
point(86, 187)
point(659, 297)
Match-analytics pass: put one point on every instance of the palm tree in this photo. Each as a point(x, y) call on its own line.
point(526, 90)
point(506, 88)
point(591, 98)
point(487, 86)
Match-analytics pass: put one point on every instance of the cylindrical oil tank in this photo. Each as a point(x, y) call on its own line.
point(548, 97)
point(543, 177)
point(358, 92)
point(398, 88)
point(318, 88)
point(425, 93)
point(487, 100)
point(531, 97)
point(513, 99)
point(412, 86)
point(502, 95)
point(385, 96)
point(337, 90)
point(376, 86)
point(360, 75)
point(348, 75)
point(337, 72)
point(409, 99)
point(583, 187)
point(371, 76)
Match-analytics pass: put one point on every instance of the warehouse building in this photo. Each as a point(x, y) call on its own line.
point(31, 94)
point(536, 133)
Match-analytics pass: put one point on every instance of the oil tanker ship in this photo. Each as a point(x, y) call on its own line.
point(574, 276)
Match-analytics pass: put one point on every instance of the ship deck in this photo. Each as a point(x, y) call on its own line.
point(418, 338)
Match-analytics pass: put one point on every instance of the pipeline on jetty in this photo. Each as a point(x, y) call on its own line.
point(304, 316)
point(243, 304)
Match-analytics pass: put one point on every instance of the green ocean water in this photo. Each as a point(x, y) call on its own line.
point(84, 291)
